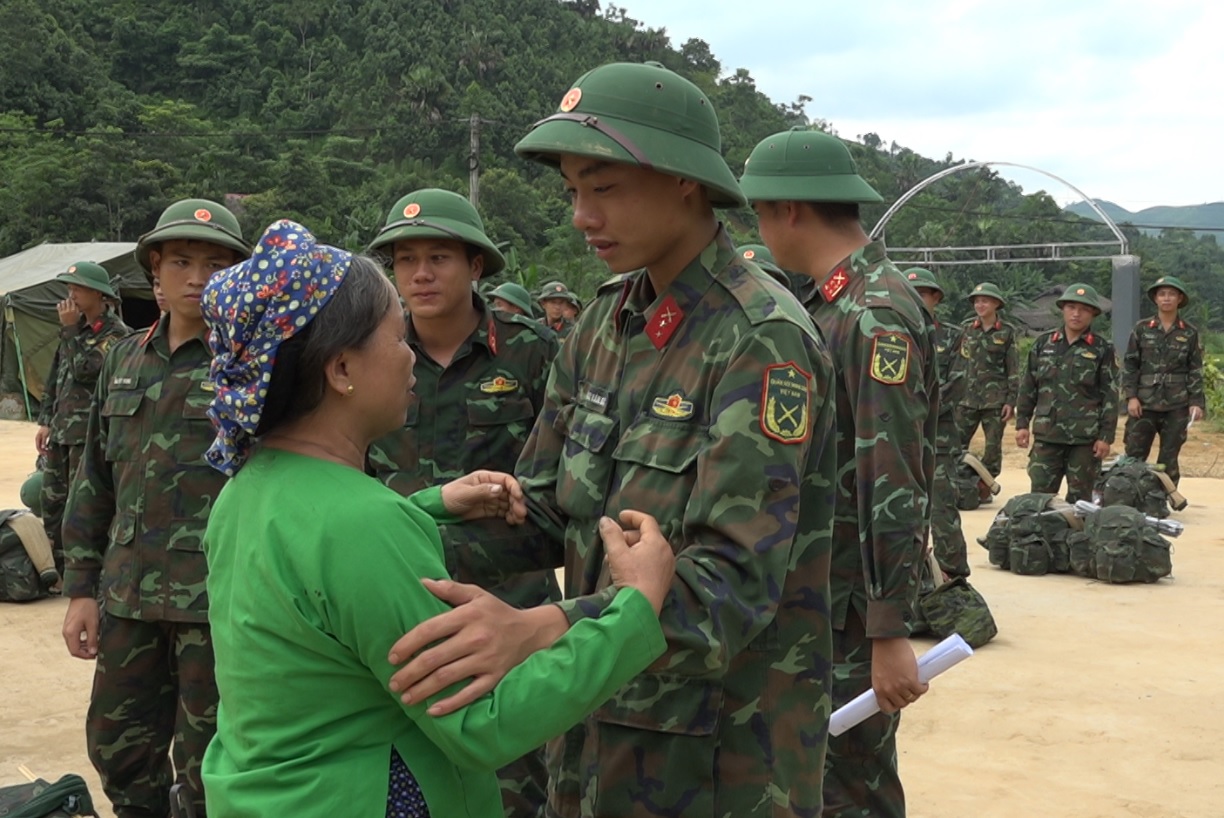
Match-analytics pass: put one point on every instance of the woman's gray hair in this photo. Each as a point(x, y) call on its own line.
point(348, 321)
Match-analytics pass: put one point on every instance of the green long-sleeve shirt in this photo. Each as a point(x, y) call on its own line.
point(315, 571)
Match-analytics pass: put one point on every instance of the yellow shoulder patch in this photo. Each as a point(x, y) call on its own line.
point(785, 397)
point(890, 354)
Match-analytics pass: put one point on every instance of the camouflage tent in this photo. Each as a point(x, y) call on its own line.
point(29, 325)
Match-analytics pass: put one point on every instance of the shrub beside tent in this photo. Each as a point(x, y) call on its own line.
point(29, 326)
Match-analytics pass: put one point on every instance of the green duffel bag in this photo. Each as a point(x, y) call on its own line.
point(957, 607)
point(39, 799)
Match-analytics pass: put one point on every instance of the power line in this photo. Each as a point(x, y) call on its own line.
point(1053, 220)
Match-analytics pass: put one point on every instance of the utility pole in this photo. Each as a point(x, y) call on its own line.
point(474, 162)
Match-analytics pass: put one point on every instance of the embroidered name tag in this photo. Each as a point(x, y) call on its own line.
point(593, 397)
point(123, 380)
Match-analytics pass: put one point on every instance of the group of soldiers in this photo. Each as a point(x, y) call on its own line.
point(778, 408)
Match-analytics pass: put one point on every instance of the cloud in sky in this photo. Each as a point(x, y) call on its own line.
point(1120, 97)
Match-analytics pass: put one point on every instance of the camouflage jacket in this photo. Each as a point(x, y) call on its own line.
point(136, 516)
point(1164, 370)
point(704, 405)
point(474, 414)
point(952, 385)
point(992, 364)
point(883, 345)
point(1069, 392)
point(561, 328)
point(74, 371)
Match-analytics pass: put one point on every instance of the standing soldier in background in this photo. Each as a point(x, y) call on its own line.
point(88, 328)
point(1162, 378)
point(806, 191)
point(946, 535)
point(992, 371)
point(695, 390)
point(1069, 396)
point(134, 524)
point(560, 308)
point(512, 298)
point(480, 377)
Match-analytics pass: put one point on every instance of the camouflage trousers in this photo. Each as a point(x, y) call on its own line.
point(861, 778)
point(59, 469)
point(946, 535)
point(991, 421)
point(153, 685)
point(1050, 462)
point(1171, 426)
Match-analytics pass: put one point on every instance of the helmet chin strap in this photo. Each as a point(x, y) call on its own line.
point(588, 121)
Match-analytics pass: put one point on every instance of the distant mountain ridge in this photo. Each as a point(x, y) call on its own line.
point(1192, 217)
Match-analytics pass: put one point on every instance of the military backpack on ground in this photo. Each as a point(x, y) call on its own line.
point(1119, 546)
point(957, 607)
point(1131, 482)
point(40, 799)
point(967, 485)
point(1029, 536)
point(22, 540)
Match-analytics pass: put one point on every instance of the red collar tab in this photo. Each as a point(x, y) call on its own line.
point(834, 285)
point(1181, 324)
point(1054, 338)
point(96, 326)
point(998, 324)
point(492, 338)
point(1089, 339)
point(1152, 324)
point(977, 323)
point(149, 334)
point(664, 322)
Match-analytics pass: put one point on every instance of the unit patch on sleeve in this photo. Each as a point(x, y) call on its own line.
point(890, 353)
point(785, 395)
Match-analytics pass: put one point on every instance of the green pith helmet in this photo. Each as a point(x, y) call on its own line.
point(1080, 294)
point(31, 493)
point(516, 294)
point(986, 288)
point(638, 114)
point(439, 214)
point(557, 289)
point(88, 274)
point(197, 219)
point(759, 254)
point(1169, 281)
point(922, 278)
point(804, 165)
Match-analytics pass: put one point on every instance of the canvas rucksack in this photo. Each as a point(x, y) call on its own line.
point(40, 799)
point(21, 580)
point(1125, 548)
point(966, 483)
point(1131, 482)
point(1026, 538)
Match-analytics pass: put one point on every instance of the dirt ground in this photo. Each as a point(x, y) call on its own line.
point(1094, 701)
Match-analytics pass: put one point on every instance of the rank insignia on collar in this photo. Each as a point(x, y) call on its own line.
point(834, 284)
point(785, 395)
point(664, 322)
point(890, 353)
point(499, 386)
point(673, 407)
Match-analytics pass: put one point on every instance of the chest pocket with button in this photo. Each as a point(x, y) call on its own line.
point(497, 428)
point(586, 467)
point(121, 417)
point(656, 464)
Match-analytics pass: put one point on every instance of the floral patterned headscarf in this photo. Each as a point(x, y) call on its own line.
point(251, 309)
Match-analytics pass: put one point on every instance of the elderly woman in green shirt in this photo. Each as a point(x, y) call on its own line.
point(316, 569)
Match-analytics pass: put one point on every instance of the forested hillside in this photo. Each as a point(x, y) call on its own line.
point(328, 110)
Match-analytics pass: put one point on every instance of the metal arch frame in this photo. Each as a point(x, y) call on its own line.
point(991, 254)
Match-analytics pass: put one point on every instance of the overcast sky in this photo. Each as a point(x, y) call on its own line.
point(1123, 99)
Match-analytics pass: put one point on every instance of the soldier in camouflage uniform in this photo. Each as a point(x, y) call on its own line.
point(806, 191)
point(1162, 378)
point(759, 255)
point(560, 308)
point(89, 327)
point(992, 365)
point(694, 389)
point(480, 377)
point(1069, 397)
point(512, 298)
point(134, 524)
point(946, 535)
